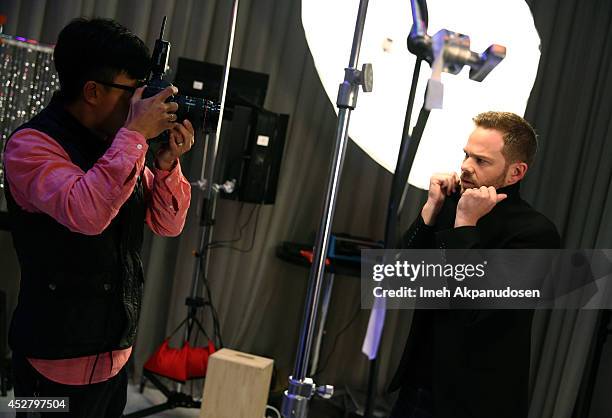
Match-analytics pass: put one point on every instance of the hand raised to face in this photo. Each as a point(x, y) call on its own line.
point(440, 186)
point(153, 115)
point(476, 203)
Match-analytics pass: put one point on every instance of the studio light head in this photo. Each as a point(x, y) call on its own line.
point(202, 113)
point(452, 47)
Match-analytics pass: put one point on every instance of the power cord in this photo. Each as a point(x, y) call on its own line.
point(214, 244)
point(276, 411)
point(222, 244)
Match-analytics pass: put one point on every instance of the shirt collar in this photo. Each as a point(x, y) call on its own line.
point(512, 190)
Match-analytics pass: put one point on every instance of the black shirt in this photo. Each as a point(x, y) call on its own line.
point(476, 363)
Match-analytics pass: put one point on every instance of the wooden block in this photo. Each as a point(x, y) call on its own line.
point(236, 386)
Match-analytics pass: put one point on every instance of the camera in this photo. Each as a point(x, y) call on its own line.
point(202, 113)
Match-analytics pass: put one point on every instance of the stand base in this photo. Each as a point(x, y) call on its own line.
point(175, 399)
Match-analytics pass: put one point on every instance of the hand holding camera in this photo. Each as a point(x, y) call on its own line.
point(181, 139)
point(152, 116)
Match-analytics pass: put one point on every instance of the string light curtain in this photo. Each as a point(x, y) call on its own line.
point(27, 82)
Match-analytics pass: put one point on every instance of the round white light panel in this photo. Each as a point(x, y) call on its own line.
point(377, 122)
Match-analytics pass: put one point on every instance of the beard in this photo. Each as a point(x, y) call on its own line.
point(470, 182)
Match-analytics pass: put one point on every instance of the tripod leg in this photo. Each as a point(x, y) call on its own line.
point(143, 380)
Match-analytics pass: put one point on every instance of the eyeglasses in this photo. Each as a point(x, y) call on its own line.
point(131, 89)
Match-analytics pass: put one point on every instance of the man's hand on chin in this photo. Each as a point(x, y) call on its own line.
point(476, 203)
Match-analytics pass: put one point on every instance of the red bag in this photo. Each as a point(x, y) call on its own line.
point(197, 360)
point(180, 364)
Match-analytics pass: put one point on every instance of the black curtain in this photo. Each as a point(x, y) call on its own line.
point(570, 108)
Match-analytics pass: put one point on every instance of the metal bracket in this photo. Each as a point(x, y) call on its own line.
point(349, 88)
point(201, 184)
point(228, 187)
point(298, 395)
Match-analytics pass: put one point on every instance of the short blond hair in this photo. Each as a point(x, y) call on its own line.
point(520, 140)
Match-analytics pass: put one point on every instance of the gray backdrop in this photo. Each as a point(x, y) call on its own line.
point(259, 297)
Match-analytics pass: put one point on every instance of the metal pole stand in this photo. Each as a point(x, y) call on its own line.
point(211, 189)
point(327, 292)
point(301, 388)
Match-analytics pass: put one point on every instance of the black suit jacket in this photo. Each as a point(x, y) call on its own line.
point(476, 363)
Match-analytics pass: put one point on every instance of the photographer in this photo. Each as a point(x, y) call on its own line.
point(475, 363)
point(78, 195)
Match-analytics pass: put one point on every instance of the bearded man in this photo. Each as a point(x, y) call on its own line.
point(475, 364)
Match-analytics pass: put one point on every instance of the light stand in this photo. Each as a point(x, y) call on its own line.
point(207, 176)
point(210, 189)
point(449, 52)
point(301, 388)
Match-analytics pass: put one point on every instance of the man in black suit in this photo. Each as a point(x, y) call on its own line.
point(475, 364)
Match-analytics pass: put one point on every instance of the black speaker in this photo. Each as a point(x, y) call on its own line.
point(252, 138)
point(203, 79)
point(251, 153)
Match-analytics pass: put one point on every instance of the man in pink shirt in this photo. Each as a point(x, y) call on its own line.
point(78, 195)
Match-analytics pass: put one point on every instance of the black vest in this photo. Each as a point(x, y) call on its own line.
point(79, 294)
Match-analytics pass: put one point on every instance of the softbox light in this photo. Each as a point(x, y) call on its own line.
point(376, 124)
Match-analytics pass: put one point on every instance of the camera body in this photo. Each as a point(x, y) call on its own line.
point(202, 113)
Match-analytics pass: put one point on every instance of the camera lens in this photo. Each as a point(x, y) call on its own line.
point(201, 113)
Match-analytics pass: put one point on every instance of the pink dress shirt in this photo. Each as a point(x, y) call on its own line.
point(42, 178)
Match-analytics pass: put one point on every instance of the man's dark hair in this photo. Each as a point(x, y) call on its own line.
point(97, 49)
point(520, 141)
